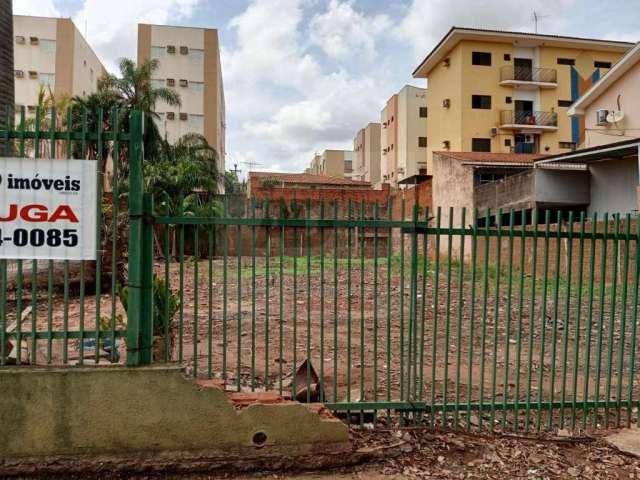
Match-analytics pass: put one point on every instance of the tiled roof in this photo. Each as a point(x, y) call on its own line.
point(487, 157)
point(306, 178)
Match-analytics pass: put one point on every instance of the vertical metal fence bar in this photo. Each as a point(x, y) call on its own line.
point(362, 300)
point(115, 201)
point(434, 338)
point(576, 343)
point(532, 315)
point(167, 290)
point(412, 304)
point(388, 325)
point(589, 328)
point(267, 293)
point(281, 298)
point(375, 306)
point(335, 304)
point(225, 291)
point(521, 295)
point(543, 318)
point(472, 310)
point(634, 324)
point(603, 281)
point(623, 314)
point(253, 296)
point(239, 308)
point(485, 295)
point(496, 320)
point(18, 336)
point(612, 317)
point(181, 280)
point(307, 232)
point(196, 299)
point(294, 317)
point(99, 183)
point(322, 349)
point(423, 310)
point(565, 330)
point(34, 263)
point(349, 297)
point(447, 315)
point(460, 317)
point(8, 151)
point(401, 301)
point(554, 324)
point(507, 320)
point(210, 253)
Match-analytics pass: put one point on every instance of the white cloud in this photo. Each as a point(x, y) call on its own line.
point(343, 33)
point(426, 21)
point(43, 8)
point(112, 25)
point(287, 101)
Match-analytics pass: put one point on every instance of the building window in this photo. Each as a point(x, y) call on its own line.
point(184, 50)
point(422, 142)
point(481, 58)
point(570, 145)
point(507, 142)
point(184, 116)
point(157, 52)
point(599, 64)
point(507, 57)
point(171, 115)
point(480, 144)
point(196, 87)
point(47, 79)
point(566, 61)
point(184, 82)
point(171, 82)
point(481, 101)
point(196, 55)
point(171, 49)
point(564, 103)
point(507, 99)
point(48, 46)
point(423, 112)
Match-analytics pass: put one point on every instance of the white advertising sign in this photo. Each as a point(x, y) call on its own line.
point(47, 209)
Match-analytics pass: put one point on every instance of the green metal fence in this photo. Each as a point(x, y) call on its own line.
point(67, 312)
point(478, 320)
point(521, 322)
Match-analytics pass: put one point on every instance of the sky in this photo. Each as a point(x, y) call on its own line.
point(301, 76)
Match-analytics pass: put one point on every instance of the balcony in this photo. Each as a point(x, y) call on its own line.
point(528, 120)
point(528, 77)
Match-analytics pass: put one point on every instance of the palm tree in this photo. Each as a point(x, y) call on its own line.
point(134, 90)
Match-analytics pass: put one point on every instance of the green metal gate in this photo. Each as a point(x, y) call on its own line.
point(478, 320)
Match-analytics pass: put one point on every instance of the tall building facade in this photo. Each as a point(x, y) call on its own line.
point(189, 63)
point(6, 57)
point(332, 163)
point(51, 52)
point(494, 91)
point(366, 144)
point(403, 139)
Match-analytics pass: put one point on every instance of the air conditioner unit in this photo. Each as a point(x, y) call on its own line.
point(171, 115)
point(184, 83)
point(446, 103)
point(171, 49)
point(20, 40)
point(19, 74)
point(446, 144)
point(494, 131)
point(601, 117)
point(184, 50)
point(446, 62)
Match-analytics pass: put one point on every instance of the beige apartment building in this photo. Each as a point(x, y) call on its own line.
point(502, 92)
point(189, 63)
point(332, 163)
point(51, 52)
point(403, 139)
point(366, 144)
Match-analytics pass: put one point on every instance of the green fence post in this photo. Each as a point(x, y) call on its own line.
point(137, 354)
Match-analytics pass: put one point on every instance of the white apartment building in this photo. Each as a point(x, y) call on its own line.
point(402, 141)
point(189, 63)
point(51, 52)
point(366, 144)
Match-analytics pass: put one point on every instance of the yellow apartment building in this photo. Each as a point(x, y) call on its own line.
point(366, 144)
point(332, 163)
point(51, 52)
point(501, 92)
point(189, 63)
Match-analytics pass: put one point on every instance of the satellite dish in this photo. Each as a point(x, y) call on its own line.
point(615, 116)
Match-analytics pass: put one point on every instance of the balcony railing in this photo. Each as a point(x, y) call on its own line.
point(528, 74)
point(528, 118)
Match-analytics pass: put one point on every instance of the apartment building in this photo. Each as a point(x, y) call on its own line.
point(189, 63)
point(495, 91)
point(332, 163)
point(403, 137)
point(6, 56)
point(366, 144)
point(51, 52)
